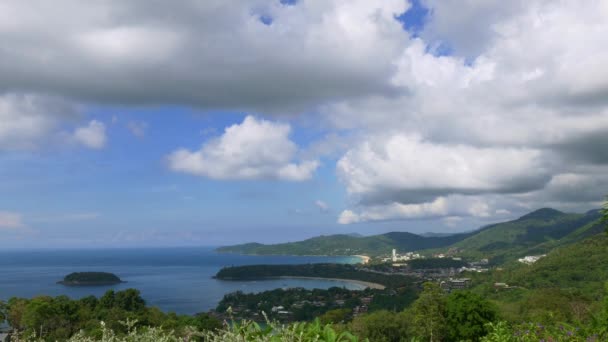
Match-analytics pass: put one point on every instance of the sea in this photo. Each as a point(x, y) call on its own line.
point(173, 279)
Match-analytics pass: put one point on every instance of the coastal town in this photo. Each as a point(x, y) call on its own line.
point(293, 304)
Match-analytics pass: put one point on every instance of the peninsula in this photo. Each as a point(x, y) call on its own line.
point(90, 279)
point(343, 272)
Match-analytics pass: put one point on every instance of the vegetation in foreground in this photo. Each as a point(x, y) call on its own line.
point(59, 318)
point(434, 316)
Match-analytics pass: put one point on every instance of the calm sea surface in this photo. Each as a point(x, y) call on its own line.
point(174, 279)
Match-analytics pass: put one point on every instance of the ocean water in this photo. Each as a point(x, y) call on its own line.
point(173, 279)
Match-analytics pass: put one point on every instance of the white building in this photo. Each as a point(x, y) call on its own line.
point(530, 259)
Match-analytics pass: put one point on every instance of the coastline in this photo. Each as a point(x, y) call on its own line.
point(360, 282)
point(364, 258)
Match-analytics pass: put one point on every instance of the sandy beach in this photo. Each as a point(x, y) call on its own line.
point(364, 258)
point(360, 282)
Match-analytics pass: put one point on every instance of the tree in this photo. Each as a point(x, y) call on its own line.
point(39, 315)
point(382, 326)
point(204, 322)
point(107, 300)
point(14, 313)
point(467, 315)
point(3, 312)
point(428, 313)
point(335, 316)
point(129, 300)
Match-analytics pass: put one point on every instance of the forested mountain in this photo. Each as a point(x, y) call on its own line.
point(350, 245)
point(534, 233)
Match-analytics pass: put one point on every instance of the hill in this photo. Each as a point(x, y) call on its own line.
point(535, 233)
point(565, 285)
point(349, 245)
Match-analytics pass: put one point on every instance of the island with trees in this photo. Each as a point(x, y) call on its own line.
point(90, 279)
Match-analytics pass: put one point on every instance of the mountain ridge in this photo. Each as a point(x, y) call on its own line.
point(537, 231)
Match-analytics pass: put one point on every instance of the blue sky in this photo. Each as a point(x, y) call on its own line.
point(275, 121)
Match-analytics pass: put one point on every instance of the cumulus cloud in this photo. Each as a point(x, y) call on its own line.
point(254, 149)
point(211, 54)
point(449, 208)
point(395, 211)
point(512, 130)
point(410, 170)
point(516, 116)
point(27, 121)
point(92, 135)
point(11, 220)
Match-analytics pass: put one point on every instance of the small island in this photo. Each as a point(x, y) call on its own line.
point(90, 279)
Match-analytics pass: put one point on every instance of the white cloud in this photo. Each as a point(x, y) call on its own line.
point(445, 208)
point(254, 149)
point(137, 128)
point(519, 112)
point(27, 121)
point(323, 207)
point(395, 211)
point(452, 221)
point(521, 122)
point(11, 220)
point(209, 54)
point(412, 170)
point(92, 135)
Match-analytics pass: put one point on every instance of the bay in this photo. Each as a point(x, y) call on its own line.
point(173, 279)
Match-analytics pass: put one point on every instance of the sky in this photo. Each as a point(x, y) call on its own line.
point(154, 123)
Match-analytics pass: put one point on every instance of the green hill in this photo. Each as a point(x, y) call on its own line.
point(565, 285)
point(582, 265)
point(349, 245)
point(535, 233)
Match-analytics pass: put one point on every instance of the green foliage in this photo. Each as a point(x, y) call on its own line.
point(90, 278)
point(57, 319)
point(534, 332)
point(273, 332)
point(605, 215)
point(349, 245)
point(467, 315)
point(3, 313)
point(583, 265)
point(535, 233)
point(305, 305)
point(342, 271)
point(336, 316)
point(382, 326)
point(459, 316)
point(567, 285)
point(428, 313)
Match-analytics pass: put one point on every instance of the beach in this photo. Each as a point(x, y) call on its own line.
point(359, 282)
point(364, 258)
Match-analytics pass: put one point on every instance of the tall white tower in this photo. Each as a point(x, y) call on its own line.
point(394, 255)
